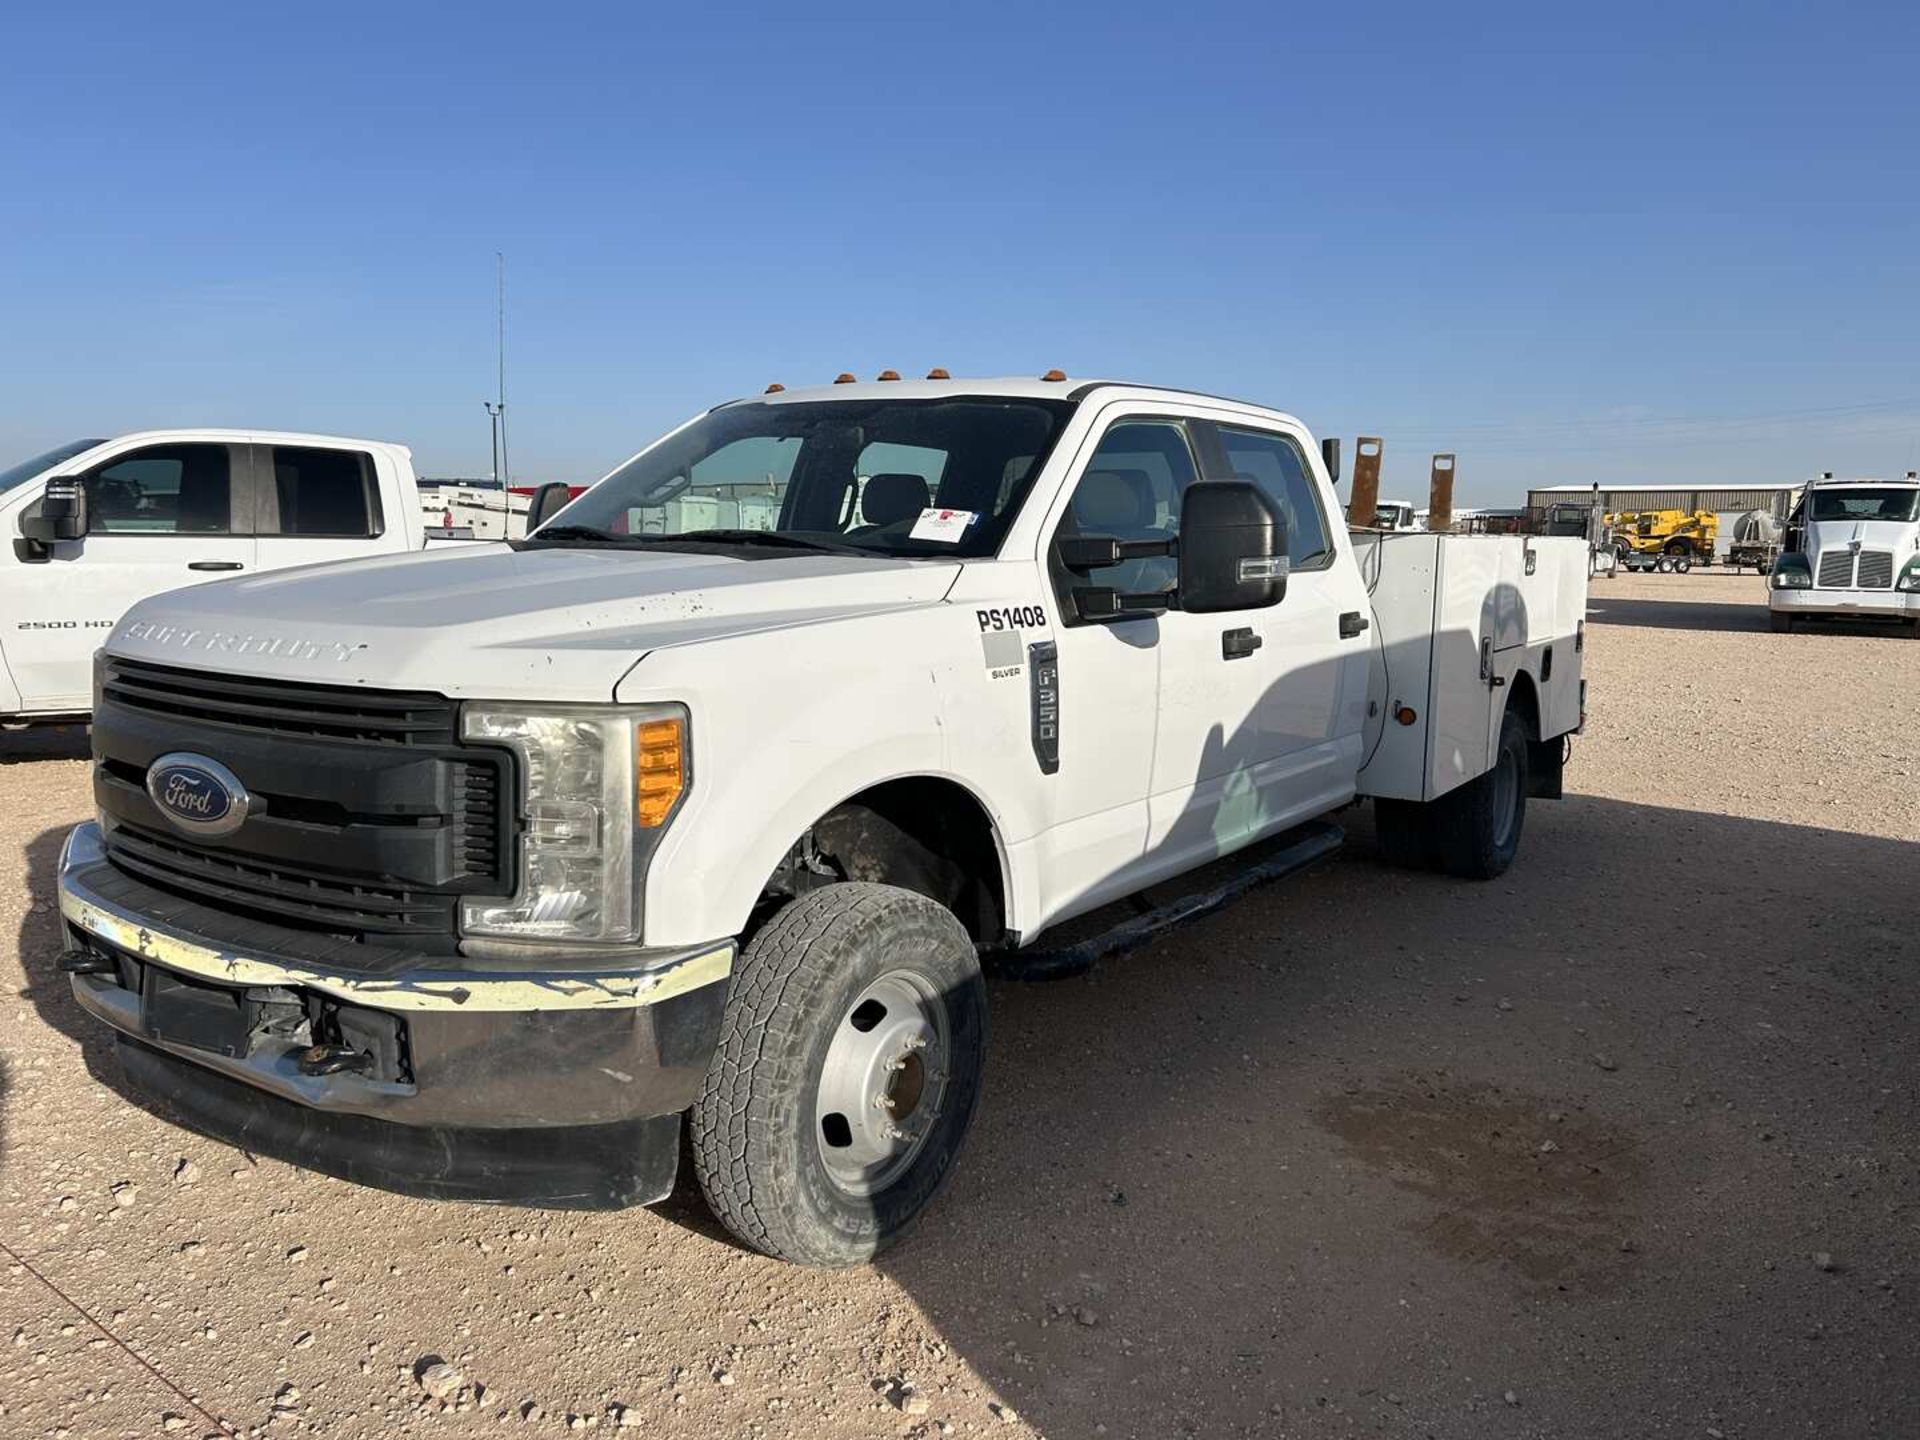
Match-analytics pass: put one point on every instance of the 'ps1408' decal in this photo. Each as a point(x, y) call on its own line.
point(1000, 642)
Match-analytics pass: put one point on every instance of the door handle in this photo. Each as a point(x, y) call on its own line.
point(1238, 644)
point(1351, 624)
point(215, 565)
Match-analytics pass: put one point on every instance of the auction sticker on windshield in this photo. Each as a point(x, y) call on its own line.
point(948, 525)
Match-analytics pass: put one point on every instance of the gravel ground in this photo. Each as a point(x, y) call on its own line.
point(1623, 1144)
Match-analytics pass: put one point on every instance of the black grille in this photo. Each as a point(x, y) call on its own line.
point(282, 707)
point(477, 818)
point(370, 820)
point(305, 897)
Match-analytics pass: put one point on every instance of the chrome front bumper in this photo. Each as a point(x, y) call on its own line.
point(562, 1045)
point(1869, 604)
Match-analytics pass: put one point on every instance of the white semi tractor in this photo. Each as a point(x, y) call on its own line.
point(1852, 553)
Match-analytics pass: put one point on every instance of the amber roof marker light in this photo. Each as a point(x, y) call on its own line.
point(774, 389)
point(888, 375)
point(845, 377)
point(1054, 375)
point(938, 374)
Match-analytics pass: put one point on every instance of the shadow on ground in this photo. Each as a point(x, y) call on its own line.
point(1605, 609)
point(48, 742)
point(1373, 1150)
point(1751, 615)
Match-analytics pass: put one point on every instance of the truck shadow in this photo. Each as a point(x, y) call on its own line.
point(40, 943)
point(1303, 1167)
point(49, 742)
point(1373, 1147)
point(1605, 609)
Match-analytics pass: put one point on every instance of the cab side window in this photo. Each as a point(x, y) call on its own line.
point(323, 493)
point(1131, 490)
point(1276, 464)
point(163, 490)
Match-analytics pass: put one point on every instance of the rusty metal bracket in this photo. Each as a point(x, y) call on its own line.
point(1440, 494)
point(1363, 507)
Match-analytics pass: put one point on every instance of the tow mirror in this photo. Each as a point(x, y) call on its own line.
point(548, 501)
point(1233, 548)
point(59, 514)
point(1330, 452)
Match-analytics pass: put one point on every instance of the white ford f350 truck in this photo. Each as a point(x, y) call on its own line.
point(1852, 553)
point(96, 525)
point(475, 873)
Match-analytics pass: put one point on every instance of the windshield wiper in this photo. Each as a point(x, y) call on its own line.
point(583, 532)
point(692, 539)
point(772, 539)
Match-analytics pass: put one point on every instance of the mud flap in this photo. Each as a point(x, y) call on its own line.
point(1546, 768)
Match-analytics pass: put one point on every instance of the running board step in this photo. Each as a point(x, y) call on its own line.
point(1310, 844)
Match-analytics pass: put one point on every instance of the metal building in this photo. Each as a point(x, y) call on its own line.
point(1776, 496)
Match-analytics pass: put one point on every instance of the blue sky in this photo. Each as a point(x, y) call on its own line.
point(1677, 241)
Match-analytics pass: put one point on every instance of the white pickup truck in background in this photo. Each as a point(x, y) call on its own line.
point(475, 874)
point(153, 511)
point(465, 510)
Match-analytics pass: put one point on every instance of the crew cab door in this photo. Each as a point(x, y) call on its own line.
point(1260, 710)
point(316, 503)
point(1316, 641)
point(1106, 696)
point(158, 517)
point(1243, 704)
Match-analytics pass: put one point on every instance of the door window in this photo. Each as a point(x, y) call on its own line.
point(1131, 490)
point(1277, 465)
point(319, 493)
point(163, 490)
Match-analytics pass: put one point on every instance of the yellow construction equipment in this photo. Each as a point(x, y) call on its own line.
point(1672, 535)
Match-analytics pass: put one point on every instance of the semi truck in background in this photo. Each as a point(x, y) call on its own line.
point(98, 525)
point(1852, 552)
point(481, 873)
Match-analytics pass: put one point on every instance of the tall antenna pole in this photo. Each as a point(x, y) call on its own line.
point(506, 470)
point(497, 410)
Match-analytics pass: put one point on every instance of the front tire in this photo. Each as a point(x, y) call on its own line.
point(846, 1077)
point(1780, 622)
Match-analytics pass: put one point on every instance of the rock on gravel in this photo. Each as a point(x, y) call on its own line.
point(437, 1378)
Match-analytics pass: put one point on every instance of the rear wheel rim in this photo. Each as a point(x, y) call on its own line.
point(883, 1083)
point(1506, 798)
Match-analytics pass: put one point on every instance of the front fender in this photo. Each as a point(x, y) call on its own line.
point(785, 726)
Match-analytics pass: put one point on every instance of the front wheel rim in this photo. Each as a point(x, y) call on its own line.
point(883, 1083)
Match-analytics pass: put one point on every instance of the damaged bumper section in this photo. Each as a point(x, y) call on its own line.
point(560, 1084)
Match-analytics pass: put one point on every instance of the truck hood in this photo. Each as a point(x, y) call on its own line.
point(490, 621)
point(1894, 535)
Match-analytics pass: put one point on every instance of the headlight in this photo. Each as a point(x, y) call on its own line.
point(1791, 572)
point(1909, 580)
point(600, 784)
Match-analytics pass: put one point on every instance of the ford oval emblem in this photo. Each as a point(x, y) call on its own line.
point(197, 795)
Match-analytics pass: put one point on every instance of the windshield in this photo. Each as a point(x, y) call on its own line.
point(887, 477)
point(1892, 502)
point(27, 469)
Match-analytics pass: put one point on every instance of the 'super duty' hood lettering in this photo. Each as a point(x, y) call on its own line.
point(230, 642)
